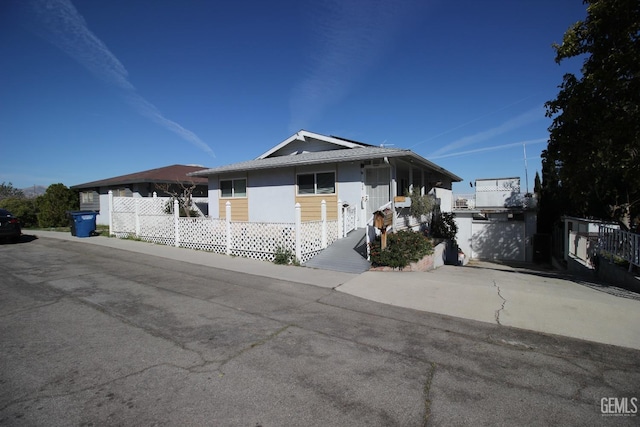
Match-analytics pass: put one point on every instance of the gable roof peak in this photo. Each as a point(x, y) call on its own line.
point(303, 135)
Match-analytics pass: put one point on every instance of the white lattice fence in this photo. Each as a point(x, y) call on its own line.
point(123, 216)
point(310, 240)
point(259, 240)
point(203, 233)
point(147, 219)
point(152, 205)
point(157, 229)
point(332, 231)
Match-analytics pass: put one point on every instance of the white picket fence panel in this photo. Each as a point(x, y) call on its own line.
point(146, 219)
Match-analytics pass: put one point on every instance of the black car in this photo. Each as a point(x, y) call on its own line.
point(9, 226)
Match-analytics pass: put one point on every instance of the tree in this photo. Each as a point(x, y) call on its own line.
point(23, 208)
point(591, 166)
point(8, 190)
point(421, 206)
point(183, 194)
point(54, 204)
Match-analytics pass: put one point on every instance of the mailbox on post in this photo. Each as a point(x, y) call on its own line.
point(382, 220)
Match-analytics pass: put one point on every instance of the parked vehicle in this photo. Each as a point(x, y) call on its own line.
point(9, 226)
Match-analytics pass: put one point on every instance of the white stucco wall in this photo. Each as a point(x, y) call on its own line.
point(103, 217)
point(446, 199)
point(272, 195)
point(464, 236)
point(350, 187)
point(498, 238)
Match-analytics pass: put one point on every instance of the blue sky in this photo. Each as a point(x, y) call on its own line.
point(93, 89)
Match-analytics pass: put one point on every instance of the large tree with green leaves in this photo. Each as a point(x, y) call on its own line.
point(54, 204)
point(591, 166)
point(8, 190)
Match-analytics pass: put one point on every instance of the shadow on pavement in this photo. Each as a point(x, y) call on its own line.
point(25, 238)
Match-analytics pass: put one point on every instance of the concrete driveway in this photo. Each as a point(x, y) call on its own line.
point(537, 300)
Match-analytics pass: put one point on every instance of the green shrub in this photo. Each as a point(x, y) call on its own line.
point(420, 205)
point(403, 248)
point(54, 204)
point(284, 256)
point(444, 226)
point(24, 209)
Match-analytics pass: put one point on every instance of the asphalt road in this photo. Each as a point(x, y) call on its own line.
point(94, 336)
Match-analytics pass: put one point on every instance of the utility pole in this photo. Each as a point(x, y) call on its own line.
point(526, 174)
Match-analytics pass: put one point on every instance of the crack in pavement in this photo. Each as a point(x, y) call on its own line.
point(427, 391)
point(504, 301)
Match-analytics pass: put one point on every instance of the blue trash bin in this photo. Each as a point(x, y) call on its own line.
point(85, 223)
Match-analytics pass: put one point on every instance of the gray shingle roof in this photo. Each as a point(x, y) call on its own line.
point(331, 156)
point(168, 174)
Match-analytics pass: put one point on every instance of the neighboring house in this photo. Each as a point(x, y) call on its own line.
point(307, 168)
point(94, 196)
point(498, 222)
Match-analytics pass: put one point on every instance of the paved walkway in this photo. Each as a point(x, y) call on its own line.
point(344, 255)
point(541, 301)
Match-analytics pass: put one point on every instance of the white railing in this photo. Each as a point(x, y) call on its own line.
point(619, 243)
point(468, 201)
point(349, 219)
point(464, 201)
point(145, 219)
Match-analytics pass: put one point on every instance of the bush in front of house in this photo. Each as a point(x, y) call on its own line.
point(285, 256)
point(444, 226)
point(403, 248)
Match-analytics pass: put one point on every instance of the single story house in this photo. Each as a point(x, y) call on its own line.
point(308, 167)
point(497, 223)
point(94, 195)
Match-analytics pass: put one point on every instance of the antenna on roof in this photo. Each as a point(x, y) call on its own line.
point(384, 144)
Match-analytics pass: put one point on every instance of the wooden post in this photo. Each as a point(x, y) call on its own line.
point(383, 238)
point(381, 220)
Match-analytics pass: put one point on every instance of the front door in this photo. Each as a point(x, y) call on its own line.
point(376, 183)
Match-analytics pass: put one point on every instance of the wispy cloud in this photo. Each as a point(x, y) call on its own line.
point(348, 36)
point(59, 22)
point(493, 148)
point(524, 119)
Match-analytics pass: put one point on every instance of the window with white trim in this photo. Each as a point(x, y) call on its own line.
point(121, 192)
point(233, 188)
point(317, 183)
point(86, 197)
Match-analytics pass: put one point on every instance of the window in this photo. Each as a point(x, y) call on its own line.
point(317, 183)
point(233, 188)
point(86, 197)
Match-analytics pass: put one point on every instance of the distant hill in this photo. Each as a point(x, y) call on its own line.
point(35, 191)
